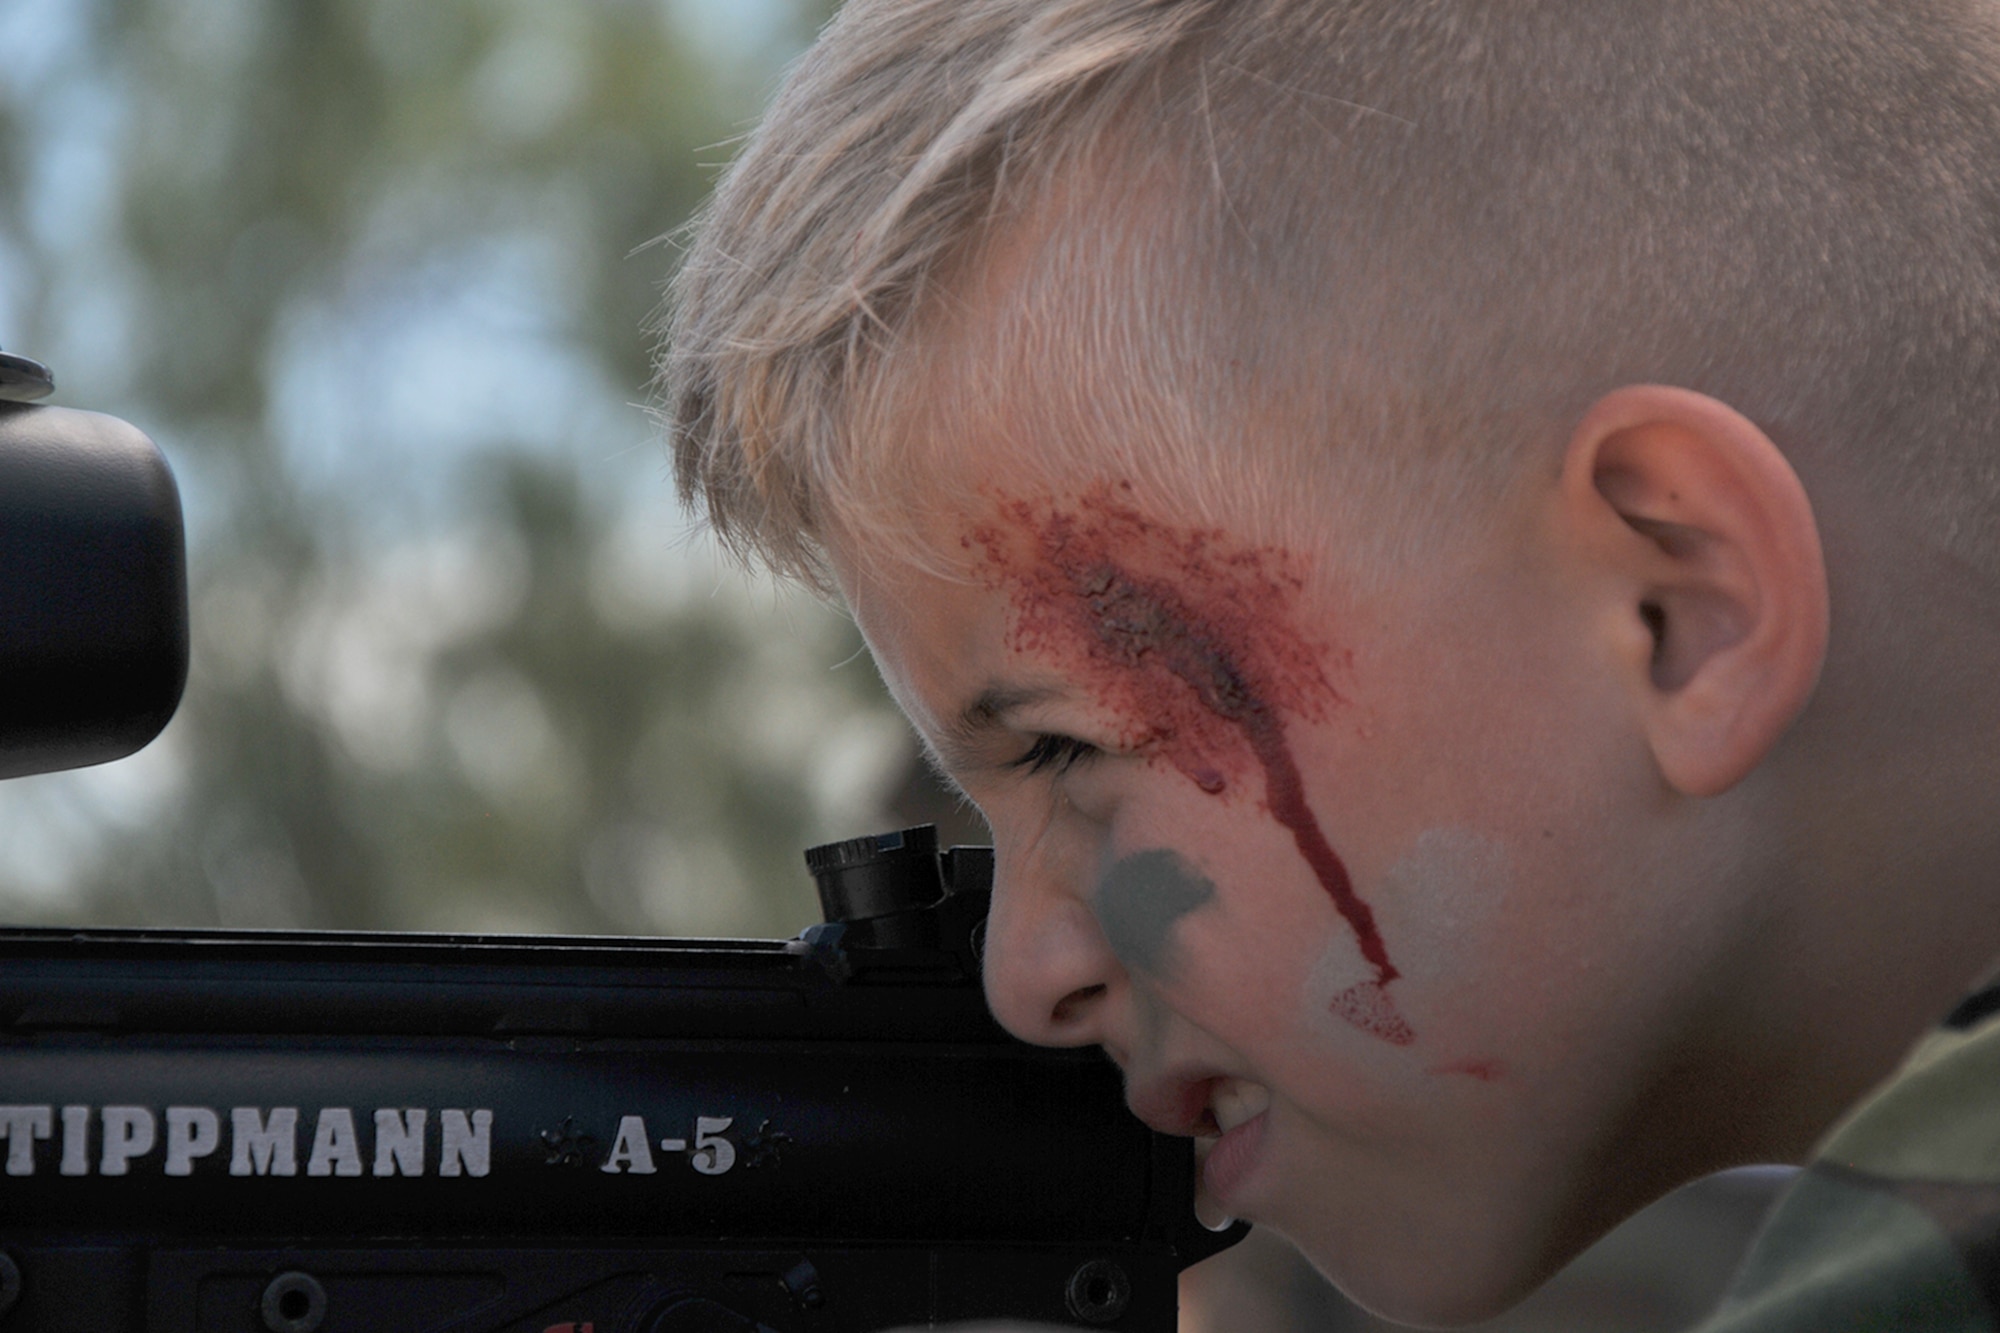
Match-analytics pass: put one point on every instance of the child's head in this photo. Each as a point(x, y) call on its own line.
point(1236, 427)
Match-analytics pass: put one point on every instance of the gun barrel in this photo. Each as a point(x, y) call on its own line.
point(495, 1127)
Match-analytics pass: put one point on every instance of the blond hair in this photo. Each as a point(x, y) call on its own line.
point(1432, 230)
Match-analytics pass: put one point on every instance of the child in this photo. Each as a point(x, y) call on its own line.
point(1455, 546)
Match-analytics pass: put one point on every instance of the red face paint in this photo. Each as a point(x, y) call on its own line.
point(1190, 638)
point(1486, 1071)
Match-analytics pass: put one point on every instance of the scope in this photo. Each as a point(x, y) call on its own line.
point(93, 582)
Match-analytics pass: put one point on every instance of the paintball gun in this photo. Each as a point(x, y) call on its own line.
point(297, 1132)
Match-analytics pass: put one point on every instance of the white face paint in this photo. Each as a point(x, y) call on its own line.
point(1461, 879)
point(1460, 875)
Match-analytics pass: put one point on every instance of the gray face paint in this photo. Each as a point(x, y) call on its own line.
point(1140, 900)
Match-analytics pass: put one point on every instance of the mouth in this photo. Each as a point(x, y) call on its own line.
point(1236, 1116)
point(1194, 1106)
point(1226, 1117)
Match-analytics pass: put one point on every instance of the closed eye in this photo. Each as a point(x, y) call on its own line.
point(1054, 754)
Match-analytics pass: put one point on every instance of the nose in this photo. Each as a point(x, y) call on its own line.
point(1050, 976)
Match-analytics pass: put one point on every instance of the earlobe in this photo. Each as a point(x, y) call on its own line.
point(1717, 569)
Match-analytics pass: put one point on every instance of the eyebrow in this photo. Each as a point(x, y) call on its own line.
point(959, 742)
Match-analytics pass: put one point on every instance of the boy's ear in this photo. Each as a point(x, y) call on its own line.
point(1716, 568)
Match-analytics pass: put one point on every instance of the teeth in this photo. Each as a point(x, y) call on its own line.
point(1235, 1102)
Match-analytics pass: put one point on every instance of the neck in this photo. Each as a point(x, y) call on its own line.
point(1885, 891)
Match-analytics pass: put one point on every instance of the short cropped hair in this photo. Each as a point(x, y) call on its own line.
point(1433, 231)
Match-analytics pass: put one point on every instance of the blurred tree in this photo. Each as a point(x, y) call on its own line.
point(375, 274)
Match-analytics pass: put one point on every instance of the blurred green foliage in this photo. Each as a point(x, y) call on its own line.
point(375, 273)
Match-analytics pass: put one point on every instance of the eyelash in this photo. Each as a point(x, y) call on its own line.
point(1055, 753)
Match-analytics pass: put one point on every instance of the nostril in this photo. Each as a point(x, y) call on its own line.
point(1071, 1007)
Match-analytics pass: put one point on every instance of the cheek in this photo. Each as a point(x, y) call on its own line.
point(1231, 944)
point(1249, 983)
point(1263, 948)
point(1453, 898)
point(1491, 801)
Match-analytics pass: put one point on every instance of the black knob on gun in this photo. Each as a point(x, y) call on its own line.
point(865, 878)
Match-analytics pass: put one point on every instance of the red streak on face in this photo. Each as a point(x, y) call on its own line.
point(1200, 656)
point(1486, 1071)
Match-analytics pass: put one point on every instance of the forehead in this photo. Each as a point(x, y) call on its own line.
point(1060, 350)
point(1025, 480)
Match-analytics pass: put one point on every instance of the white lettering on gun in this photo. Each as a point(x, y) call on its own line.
point(468, 1144)
point(192, 1131)
point(260, 1143)
point(265, 1147)
point(632, 1154)
point(22, 1125)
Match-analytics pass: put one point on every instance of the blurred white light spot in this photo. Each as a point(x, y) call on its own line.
point(44, 853)
point(855, 766)
point(134, 791)
point(362, 655)
point(215, 33)
point(645, 879)
point(233, 624)
point(494, 908)
point(256, 885)
point(500, 733)
point(54, 827)
point(530, 84)
point(40, 37)
point(732, 31)
point(646, 567)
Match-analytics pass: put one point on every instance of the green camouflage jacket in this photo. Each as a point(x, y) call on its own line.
point(1896, 1223)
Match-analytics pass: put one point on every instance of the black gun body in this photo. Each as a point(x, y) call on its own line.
point(483, 1133)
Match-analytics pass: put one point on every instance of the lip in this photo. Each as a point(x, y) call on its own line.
point(1174, 1105)
point(1232, 1159)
